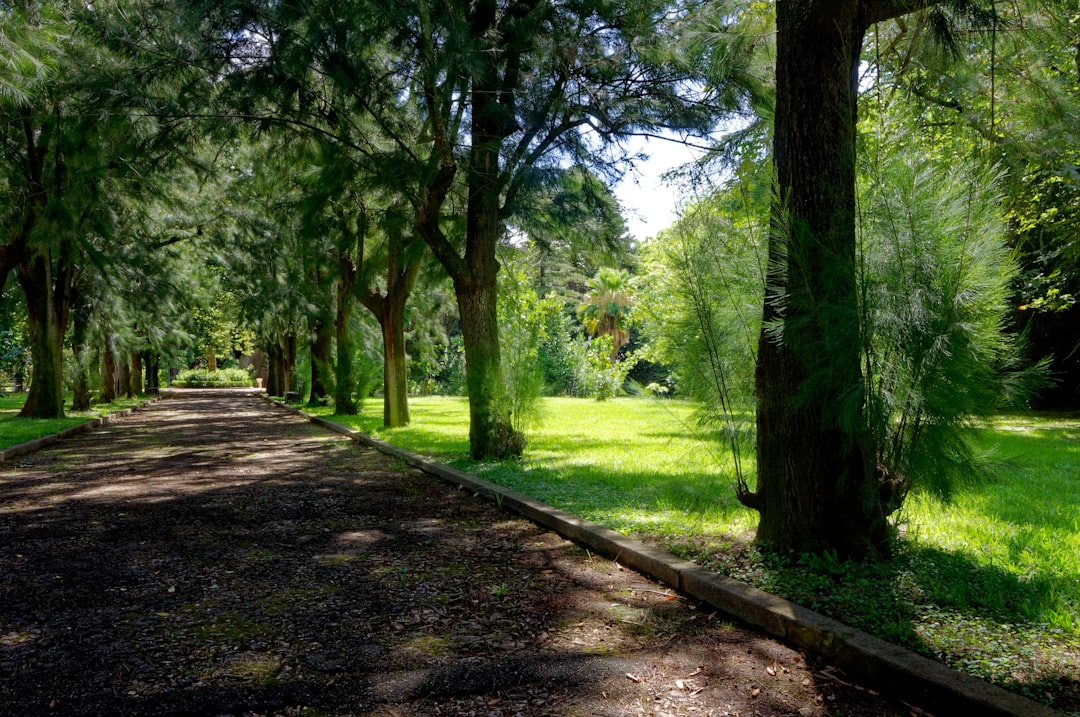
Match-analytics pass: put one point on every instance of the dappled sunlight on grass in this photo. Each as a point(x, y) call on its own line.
point(15, 430)
point(635, 465)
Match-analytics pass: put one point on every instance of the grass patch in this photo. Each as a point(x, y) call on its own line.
point(15, 430)
point(988, 582)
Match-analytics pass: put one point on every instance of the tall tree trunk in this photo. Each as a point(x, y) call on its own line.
point(136, 374)
point(344, 404)
point(151, 364)
point(395, 370)
point(108, 374)
point(123, 375)
point(288, 361)
point(490, 431)
point(46, 315)
point(815, 490)
point(80, 319)
point(275, 383)
point(389, 310)
point(321, 345)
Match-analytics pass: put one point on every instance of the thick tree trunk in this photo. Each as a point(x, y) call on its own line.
point(321, 345)
point(815, 491)
point(344, 403)
point(490, 431)
point(275, 382)
point(490, 435)
point(395, 373)
point(123, 374)
point(136, 375)
point(108, 375)
point(151, 378)
point(46, 316)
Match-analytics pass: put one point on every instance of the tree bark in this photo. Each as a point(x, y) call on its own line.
point(108, 374)
point(136, 378)
point(815, 490)
point(46, 316)
point(123, 373)
point(275, 383)
point(490, 431)
point(389, 310)
point(151, 364)
point(344, 403)
point(321, 346)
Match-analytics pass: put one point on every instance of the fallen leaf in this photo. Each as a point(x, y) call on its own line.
point(756, 691)
point(771, 670)
point(633, 678)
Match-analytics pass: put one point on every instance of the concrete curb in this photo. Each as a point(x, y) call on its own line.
point(888, 668)
point(52, 439)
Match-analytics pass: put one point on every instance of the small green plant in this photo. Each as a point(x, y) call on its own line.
point(500, 590)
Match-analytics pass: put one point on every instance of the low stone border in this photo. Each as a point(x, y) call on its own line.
point(52, 439)
point(889, 668)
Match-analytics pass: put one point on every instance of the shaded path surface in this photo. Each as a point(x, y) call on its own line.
point(215, 555)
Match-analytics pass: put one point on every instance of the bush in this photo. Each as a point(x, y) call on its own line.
point(221, 378)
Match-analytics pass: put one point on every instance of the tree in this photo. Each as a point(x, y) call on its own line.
point(817, 488)
point(72, 147)
point(608, 308)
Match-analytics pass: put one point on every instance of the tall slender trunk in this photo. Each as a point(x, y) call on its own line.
point(46, 316)
point(108, 373)
point(321, 345)
point(389, 310)
point(136, 386)
point(275, 383)
point(288, 360)
point(151, 363)
point(815, 491)
point(490, 431)
point(344, 403)
point(123, 374)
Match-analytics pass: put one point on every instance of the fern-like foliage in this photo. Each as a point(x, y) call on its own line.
point(935, 284)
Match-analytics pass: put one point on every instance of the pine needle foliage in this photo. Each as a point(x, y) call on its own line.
point(935, 275)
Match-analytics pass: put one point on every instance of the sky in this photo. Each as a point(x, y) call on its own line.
point(649, 204)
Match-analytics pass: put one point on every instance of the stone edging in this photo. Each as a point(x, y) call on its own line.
point(904, 674)
point(37, 444)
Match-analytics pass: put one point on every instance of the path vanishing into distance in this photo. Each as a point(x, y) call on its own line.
point(214, 554)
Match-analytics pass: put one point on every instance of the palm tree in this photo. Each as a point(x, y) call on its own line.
point(608, 307)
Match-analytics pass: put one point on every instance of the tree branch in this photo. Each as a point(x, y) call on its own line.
point(875, 11)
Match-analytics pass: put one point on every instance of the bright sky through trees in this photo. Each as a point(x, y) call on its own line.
point(650, 204)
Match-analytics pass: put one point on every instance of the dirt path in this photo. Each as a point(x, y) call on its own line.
point(213, 555)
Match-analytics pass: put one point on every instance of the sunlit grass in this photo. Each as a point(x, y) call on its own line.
point(988, 581)
point(631, 464)
point(15, 430)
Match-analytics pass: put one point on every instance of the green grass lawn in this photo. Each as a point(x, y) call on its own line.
point(988, 582)
point(15, 430)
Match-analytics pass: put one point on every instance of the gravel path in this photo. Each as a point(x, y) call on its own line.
point(215, 555)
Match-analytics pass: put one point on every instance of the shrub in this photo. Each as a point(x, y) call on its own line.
point(221, 378)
